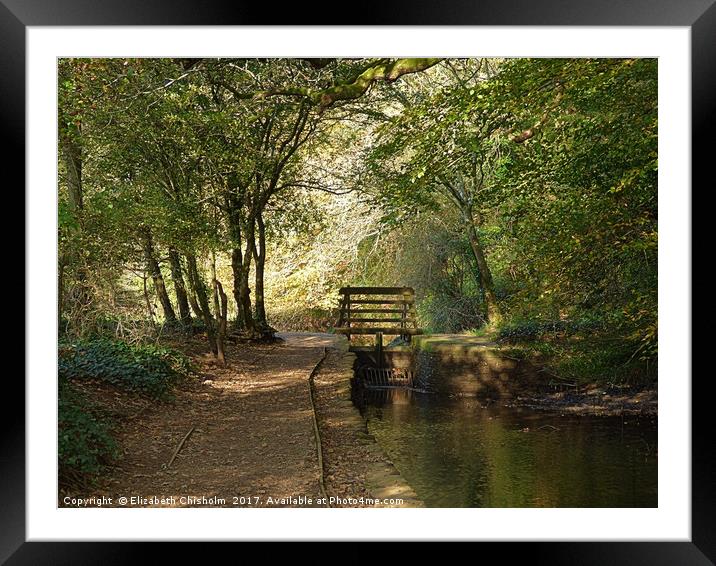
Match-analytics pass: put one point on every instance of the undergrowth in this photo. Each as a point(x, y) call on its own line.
point(147, 369)
point(581, 350)
point(85, 444)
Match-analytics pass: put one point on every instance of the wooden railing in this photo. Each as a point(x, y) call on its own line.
point(378, 311)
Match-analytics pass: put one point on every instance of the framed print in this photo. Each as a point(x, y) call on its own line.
point(400, 280)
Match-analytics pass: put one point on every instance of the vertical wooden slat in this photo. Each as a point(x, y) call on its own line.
point(379, 348)
point(348, 314)
point(403, 324)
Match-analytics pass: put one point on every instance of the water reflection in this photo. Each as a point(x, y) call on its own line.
point(465, 453)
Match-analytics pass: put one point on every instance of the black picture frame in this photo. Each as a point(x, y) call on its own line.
point(699, 15)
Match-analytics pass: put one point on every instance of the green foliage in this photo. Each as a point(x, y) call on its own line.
point(548, 165)
point(609, 361)
point(518, 330)
point(593, 347)
point(567, 214)
point(451, 314)
point(582, 194)
point(85, 445)
point(146, 369)
point(579, 351)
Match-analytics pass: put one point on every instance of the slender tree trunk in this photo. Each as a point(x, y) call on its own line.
point(60, 291)
point(220, 305)
point(244, 294)
point(72, 156)
point(240, 267)
point(200, 301)
point(484, 274)
point(179, 288)
point(236, 265)
point(148, 302)
point(191, 295)
point(221, 315)
point(156, 273)
point(259, 252)
point(72, 262)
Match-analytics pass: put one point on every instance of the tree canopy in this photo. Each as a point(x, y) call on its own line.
point(509, 193)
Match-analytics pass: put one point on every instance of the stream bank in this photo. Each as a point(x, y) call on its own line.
point(470, 366)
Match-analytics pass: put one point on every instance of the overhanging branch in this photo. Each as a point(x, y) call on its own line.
point(387, 71)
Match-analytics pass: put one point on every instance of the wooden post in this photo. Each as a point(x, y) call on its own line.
point(348, 315)
point(379, 349)
point(404, 316)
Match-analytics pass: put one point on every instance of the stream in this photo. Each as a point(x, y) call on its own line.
point(462, 452)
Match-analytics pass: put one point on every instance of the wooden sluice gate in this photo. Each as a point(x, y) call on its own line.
point(379, 312)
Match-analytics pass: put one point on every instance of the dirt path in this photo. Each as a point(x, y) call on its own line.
point(252, 443)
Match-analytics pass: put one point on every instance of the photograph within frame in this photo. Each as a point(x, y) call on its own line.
point(472, 240)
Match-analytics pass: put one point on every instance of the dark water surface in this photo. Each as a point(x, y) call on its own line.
point(461, 453)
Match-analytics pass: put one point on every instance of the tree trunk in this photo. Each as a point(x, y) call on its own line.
point(179, 288)
point(200, 301)
point(240, 267)
point(148, 302)
point(220, 305)
point(244, 290)
point(156, 273)
point(484, 274)
point(78, 295)
point(245, 295)
point(236, 265)
point(221, 331)
point(72, 156)
point(259, 252)
point(60, 292)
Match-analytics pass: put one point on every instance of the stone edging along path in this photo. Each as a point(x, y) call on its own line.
point(381, 478)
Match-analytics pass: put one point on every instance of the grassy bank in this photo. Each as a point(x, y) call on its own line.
point(581, 351)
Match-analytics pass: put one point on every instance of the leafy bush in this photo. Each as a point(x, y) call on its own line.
point(528, 330)
point(85, 445)
point(609, 361)
point(599, 358)
point(589, 347)
point(146, 369)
